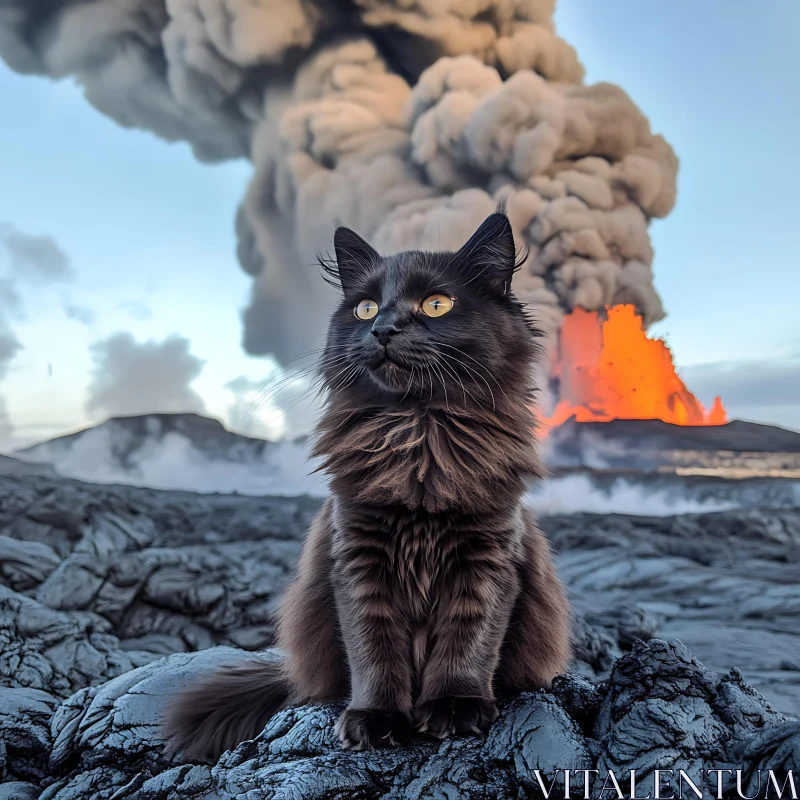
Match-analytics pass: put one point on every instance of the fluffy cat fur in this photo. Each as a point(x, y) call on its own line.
point(424, 588)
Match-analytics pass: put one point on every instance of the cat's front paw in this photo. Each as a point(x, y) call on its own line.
point(446, 716)
point(368, 728)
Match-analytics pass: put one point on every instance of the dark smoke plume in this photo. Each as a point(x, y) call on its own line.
point(407, 121)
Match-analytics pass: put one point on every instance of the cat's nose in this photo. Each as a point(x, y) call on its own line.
point(384, 330)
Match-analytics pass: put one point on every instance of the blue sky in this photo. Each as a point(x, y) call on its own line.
point(149, 231)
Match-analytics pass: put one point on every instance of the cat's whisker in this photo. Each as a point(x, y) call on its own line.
point(476, 375)
point(455, 374)
point(279, 406)
point(332, 381)
point(284, 385)
point(444, 384)
point(295, 374)
point(320, 384)
point(443, 365)
point(410, 382)
point(342, 376)
point(310, 353)
point(474, 360)
point(263, 395)
point(453, 347)
point(354, 377)
point(301, 375)
point(482, 366)
point(284, 411)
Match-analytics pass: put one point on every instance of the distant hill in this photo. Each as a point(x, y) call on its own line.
point(651, 444)
point(13, 466)
point(128, 435)
point(177, 451)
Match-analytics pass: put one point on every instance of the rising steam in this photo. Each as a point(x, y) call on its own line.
point(406, 121)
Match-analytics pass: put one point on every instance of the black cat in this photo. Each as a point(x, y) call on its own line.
point(424, 587)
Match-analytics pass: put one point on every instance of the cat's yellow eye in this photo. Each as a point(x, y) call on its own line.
point(366, 309)
point(437, 305)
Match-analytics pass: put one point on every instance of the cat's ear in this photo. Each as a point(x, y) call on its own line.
point(490, 256)
point(354, 256)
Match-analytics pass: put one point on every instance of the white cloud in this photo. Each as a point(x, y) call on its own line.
point(129, 377)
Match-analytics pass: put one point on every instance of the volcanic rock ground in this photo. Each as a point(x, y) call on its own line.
point(113, 597)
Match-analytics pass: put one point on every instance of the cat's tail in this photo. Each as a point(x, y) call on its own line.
point(226, 707)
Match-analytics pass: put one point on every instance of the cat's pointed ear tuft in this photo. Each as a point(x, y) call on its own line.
point(354, 256)
point(490, 256)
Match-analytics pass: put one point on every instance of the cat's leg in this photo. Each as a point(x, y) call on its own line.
point(537, 645)
point(307, 626)
point(473, 606)
point(377, 640)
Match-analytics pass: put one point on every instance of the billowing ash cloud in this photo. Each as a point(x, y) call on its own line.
point(133, 378)
point(406, 121)
point(283, 403)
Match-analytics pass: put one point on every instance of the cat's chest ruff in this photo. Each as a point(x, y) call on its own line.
point(433, 450)
point(429, 458)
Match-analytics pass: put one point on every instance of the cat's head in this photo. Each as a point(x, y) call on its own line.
point(440, 328)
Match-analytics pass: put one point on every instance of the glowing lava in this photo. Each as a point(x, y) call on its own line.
point(609, 369)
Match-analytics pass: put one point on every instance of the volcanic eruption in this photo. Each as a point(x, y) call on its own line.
point(409, 123)
point(606, 367)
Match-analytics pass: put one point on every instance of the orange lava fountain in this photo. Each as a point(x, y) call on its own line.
point(609, 369)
